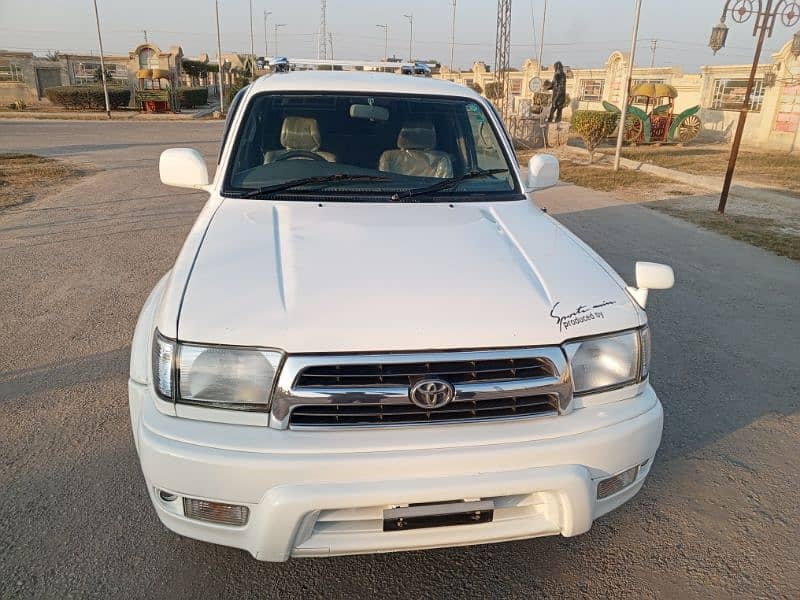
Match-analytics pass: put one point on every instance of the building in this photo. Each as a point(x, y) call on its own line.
point(773, 122)
point(25, 76)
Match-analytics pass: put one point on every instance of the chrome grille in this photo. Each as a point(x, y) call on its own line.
point(357, 390)
point(464, 371)
point(321, 415)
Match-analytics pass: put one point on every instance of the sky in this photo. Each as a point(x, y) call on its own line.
point(580, 33)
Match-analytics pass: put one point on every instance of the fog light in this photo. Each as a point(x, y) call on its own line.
point(166, 496)
point(215, 512)
point(617, 483)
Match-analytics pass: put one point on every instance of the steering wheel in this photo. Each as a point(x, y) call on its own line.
point(300, 154)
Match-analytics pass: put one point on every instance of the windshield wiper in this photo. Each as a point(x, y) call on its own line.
point(444, 184)
point(286, 185)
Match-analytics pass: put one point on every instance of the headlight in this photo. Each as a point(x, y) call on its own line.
point(214, 376)
point(609, 361)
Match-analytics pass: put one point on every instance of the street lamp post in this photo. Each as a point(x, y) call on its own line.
point(267, 13)
point(410, 36)
point(385, 40)
point(102, 60)
point(627, 87)
point(766, 15)
point(275, 41)
point(252, 40)
point(453, 36)
point(221, 72)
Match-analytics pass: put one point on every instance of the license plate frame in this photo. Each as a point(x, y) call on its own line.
point(445, 514)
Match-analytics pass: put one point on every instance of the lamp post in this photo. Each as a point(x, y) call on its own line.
point(386, 40)
point(221, 72)
point(275, 41)
point(252, 39)
point(102, 61)
point(453, 37)
point(410, 36)
point(267, 13)
point(627, 87)
point(766, 14)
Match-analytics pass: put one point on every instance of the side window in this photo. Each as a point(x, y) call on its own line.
point(487, 150)
point(234, 107)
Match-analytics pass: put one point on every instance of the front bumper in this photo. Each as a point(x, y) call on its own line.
point(308, 500)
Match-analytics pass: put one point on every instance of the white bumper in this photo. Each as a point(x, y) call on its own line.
point(305, 500)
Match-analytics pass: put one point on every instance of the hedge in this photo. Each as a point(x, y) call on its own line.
point(77, 97)
point(190, 97)
point(593, 126)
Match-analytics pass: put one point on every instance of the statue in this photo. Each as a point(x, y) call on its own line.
point(559, 87)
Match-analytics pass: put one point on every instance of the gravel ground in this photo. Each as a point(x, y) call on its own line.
point(718, 518)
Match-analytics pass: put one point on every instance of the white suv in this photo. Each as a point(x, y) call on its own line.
point(373, 340)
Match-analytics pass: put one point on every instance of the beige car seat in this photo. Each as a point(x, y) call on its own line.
point(299, 133)
point(415, 154)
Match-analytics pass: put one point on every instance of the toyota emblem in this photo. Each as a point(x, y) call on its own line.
point(431, 393)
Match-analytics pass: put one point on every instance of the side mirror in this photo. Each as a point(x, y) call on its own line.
point(543, 172)
point(183, 167)
point(651, 276)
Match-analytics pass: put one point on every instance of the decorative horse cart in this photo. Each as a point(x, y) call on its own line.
point(660, 124)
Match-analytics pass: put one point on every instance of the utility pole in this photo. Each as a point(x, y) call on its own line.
point(102, 61)
point(266, 46)
point(330, 42)
point(252, 44)
point(541, 42)
point(386, 40)
point(502, 50)
point(765, 22)
point(221, 71)
point(275, 41)
point(453, 36)
point(653, 46)
point(322, 41)
point(626, 88)
point(410, 36)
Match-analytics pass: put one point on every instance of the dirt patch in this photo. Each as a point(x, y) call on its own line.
point(763, 220)
point(777, 169)
point(778, 233)
point(625, 184)
point(23, 177)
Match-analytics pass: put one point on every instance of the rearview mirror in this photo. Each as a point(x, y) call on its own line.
point(369, 112)
point(183, 167)
point(651, 276)
point(543, 172)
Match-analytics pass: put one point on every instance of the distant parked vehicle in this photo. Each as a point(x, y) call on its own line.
point(418, 68)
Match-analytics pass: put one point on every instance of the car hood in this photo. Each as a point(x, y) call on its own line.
point(344, 277)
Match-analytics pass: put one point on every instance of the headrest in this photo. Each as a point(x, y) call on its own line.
point(419, 135)
point(300, 133)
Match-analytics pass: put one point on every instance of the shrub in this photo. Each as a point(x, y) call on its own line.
point(232, 90)
point(18, 104)
point(189, 97)
point(593, 126)
point(493, 90)
point(82, 97)
point(475, 86)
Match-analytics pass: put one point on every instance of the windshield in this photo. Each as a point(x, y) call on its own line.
point(368, 147)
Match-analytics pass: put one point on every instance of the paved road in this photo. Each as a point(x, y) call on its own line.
point(719, 516)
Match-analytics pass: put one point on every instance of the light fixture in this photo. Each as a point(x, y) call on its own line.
point(719, 33)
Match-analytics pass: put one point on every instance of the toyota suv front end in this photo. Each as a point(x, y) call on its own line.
point(373, 340)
